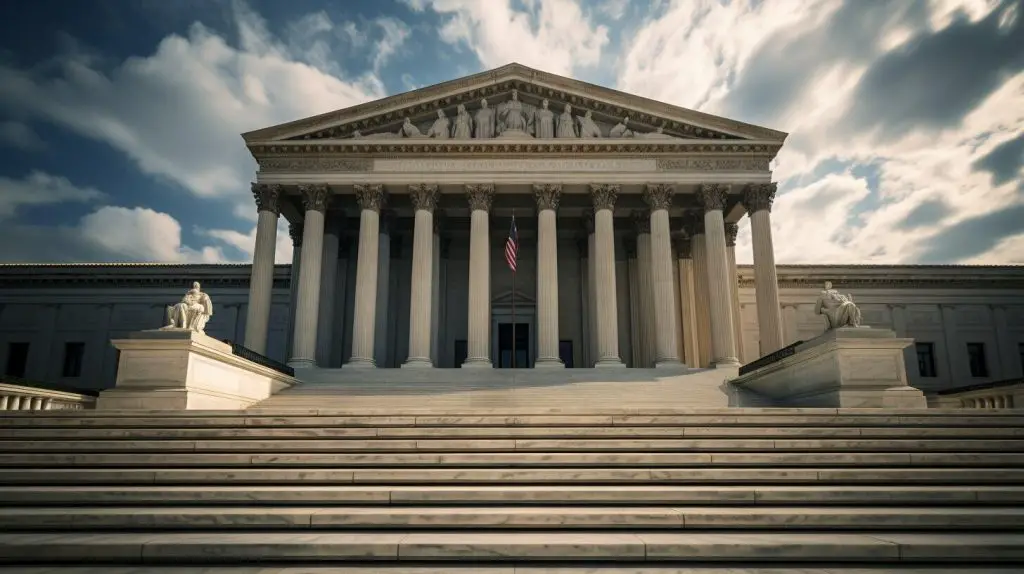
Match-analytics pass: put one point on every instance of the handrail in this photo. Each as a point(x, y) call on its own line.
point(250, 355)
point(774, 357)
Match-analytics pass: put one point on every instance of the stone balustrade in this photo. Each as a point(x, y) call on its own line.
point(1006, 394)
point(15, 397)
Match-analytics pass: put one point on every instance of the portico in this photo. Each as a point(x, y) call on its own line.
point(626, 237)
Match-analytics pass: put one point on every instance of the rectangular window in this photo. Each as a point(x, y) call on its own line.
point(926, 359)
point(976, 359)
point(17, 359)
point(73, 354)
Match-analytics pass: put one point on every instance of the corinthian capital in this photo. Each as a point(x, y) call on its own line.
point(295, 231)
point(315, 197)
point(759, 196)
point(267, 197)
point(604, 196)
point(713, 196)
point(370, 196)
point(424, 196)
point(731, 231)
point(641, 222)
point(480, 196)
point(658, 196)
point(547, 196)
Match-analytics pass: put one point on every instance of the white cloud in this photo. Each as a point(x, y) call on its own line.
point(551, 35)
point(20, 136)
point(40, 188)
point(141, 234)
point(246, 242)
point(614, 9)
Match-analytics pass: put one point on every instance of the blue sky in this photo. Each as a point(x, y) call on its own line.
point(120, 120)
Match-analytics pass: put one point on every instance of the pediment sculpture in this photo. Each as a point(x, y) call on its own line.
point(839, 309)
point(514, 118)
point(192, 312)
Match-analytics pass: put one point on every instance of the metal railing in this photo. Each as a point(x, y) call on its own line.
point(774, 357)
point(250, 355)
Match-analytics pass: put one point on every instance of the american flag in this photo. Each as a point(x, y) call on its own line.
point(512, 246)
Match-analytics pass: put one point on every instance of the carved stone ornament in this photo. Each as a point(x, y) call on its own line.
point(304, 164)
point(642, 222)
point(315, 197)
point(713, 196)
point(424, 196)
point(714, 164)
point(839, 309)
point(267, 197)
point(192, 312)
point(658, 196)
point(759, 196)
point(295, 231)
point(604, 195)
point(548, 196)
point(370, 196)
point(731, 231)
point(480, 196)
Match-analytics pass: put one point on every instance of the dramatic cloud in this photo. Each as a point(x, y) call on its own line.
point(40, 189)
point(21, 136)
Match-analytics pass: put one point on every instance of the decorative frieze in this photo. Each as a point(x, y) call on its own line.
point(424, 196)
point(731, 231)
point(480, 196)
point(712, 196)
point(604, 196)
point(547, 196)
point(267, 197)
point(370, 196)
point(306, 164)
point(515, 165)
point(714, 164)
point(658, 196)
point(759, 196)
point(315, 197)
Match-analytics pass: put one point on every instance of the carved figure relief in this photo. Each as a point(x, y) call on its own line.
point(621, 130)
point(566, 124)
point(411, 131)
point(544, 122)
point(588, 128)
point(463, 129)
point(839, 310)
point(440, 128)
point(192, 312)
point(510, 116)
point(484, 121)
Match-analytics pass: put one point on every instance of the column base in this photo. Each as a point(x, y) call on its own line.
point(725, 363)
point(477, 363)
point(669, 364)
point(418, 363)
point(549, 363)
point(362, 363)
point(609, 362)
point(302, 363)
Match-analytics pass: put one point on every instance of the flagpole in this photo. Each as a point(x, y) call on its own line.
point(514, 293)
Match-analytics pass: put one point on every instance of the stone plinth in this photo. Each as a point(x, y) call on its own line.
point(857, 367)
point(178, 369)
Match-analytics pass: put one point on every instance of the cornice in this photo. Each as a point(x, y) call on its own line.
point(893, 276)
point(132, 275)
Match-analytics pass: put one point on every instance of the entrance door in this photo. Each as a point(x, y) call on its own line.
point(522, 346)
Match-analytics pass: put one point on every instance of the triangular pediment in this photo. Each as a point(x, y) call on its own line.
point(506, 298)
point(387, 118)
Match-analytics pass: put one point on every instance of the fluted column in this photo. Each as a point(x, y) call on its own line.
point(588, 223)
point(383, 346)
point(435, 294)
point(478, 345)
point(645, 300)
point(688, 306)
point(295, 232)
point(659, 199)
point(371, 198)
point(547, 197)
point(584, 283)
point(328, 292)
point(307, 305)
point(424, 200)
point(604, 197)
point(731, 231)
point(261, 283)
point(700, 291)
point(758, 202)
point(723, 346)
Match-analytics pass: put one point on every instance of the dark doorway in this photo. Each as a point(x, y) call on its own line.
point(522, 345)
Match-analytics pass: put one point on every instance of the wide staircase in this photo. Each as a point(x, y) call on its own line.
point(512, 491)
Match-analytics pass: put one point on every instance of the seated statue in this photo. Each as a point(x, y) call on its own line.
point(192, 312)
point(839, 310)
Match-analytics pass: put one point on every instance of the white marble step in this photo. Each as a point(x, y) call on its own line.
point(512, 494)
point(526, 459)
point(501, 517)
point(507, 476)
point(496, 547)
point(507, 445)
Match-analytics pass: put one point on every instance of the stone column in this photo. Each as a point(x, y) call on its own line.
point(307, 305)
point(547, 197)
point(588, 223)
point(723, 347)
point(701, 297)
point(261, 283)
point(659, 199)
point(328, 291)
point(295, 232)
point(757, 200)
point(424, 200)
point(383, 349)
point(584, 345)
point(645, 301)
point(731, 231)
point(478, 345)
point(632, 288)
point(435, 294)
point(604, 197)
point(688, 315)
point(371, 199)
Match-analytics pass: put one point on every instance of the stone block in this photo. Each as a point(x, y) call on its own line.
point(177, 369)
point(852, 367)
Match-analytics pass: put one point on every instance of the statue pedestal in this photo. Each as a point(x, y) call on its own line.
point(856, 367)
point(179, 369)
